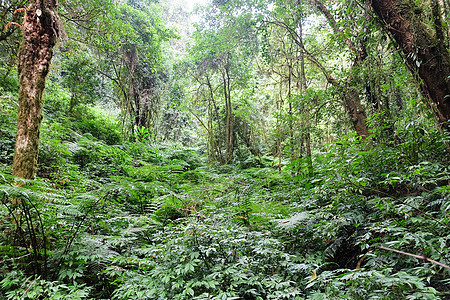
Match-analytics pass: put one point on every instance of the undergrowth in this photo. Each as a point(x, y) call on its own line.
point(109, 219)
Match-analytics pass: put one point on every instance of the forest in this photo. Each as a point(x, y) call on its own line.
point(224, 149)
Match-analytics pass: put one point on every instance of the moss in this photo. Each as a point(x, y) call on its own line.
point(35, 55)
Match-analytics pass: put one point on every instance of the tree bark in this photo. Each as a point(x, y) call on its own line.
point(218, 120)
point(303, 86)
point(40, 29)
point(229, 118)
point(425, 51)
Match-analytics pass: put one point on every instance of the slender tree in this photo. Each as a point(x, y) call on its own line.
point(350, 93)
point(222, 55)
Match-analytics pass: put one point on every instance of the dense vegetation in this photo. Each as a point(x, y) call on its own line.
point(244, 150)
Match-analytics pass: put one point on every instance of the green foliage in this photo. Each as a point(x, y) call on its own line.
point(9, 76)
point(98, 159)
point(143, 133)
point(168, 226)
point(8, 116)
point(114, 219)
point(98, 124)
point(153, 173)
point(22, 287)
point(141, 151)
point(53, 155)
point(204, 260)
point(56, 99)
point(79, 75)
point(360, 284)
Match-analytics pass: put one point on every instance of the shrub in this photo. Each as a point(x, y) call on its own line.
point(98, 159)
point(98, 124)
point(8, 119)
point(208, 260)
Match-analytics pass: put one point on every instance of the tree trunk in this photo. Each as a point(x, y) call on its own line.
point(355, 111)
point(425, 51)
point(39, 30)
point(229, 118)
point(308, 153)
point(134, 86)
point(280, 105)
point(306, 137)
point(218, 120)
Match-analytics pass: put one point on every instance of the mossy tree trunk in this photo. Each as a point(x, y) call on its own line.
point(39, 31)
point(425, 49)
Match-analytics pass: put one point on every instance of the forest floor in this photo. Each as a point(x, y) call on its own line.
point(137, 220)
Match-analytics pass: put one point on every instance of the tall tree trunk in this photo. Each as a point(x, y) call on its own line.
point(303, 87)
point(134, 87)
point(39, 30)
point(290, 112)
point(280, 104)
point(218, 120)
point(308, 153)
point(211, 139)
point(229, 118)
point(426, 53)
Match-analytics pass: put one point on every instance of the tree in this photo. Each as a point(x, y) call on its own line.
point(112, 28)
point(222, 56)
point(78, 75)
point(40, 29)
point(141, 53)
point(286, 61)
point(348, 88)
point(423, 46)
point(129, 43)
point(349, 91)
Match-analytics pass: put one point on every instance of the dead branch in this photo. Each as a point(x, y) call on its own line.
point(421, 257)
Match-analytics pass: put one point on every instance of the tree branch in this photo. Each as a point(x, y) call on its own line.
point(334, 25)
point(421, 257)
